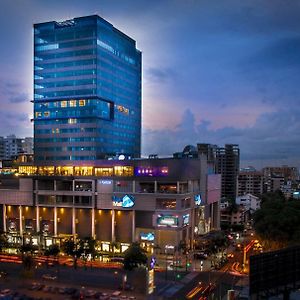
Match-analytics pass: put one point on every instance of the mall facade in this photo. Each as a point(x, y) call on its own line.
point(158, 202)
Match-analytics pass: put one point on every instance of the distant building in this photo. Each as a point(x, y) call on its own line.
point(250, 182)
point(11, 146)
point(228, 165)
point(288, 173)
point(250, 202)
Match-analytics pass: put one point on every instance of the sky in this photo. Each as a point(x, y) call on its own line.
point(214, 71)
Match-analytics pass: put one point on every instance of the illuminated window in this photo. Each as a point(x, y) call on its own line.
point(46, 114)
point(123, 171)
point(67, 171)
point(46, 170)
point(38, 114)
point(104, 171)
point(27, 170)
point(72, 103)
point(72, 121)
point(64, 103)
point(55, 130)
point(83, 171)
point(81, 102)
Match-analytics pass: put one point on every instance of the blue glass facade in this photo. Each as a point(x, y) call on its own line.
point(87, 91)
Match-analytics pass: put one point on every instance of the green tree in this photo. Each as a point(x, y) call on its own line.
point(277, 223)
point(134, 257)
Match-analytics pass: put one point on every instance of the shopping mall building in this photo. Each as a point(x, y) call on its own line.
point(158, 202)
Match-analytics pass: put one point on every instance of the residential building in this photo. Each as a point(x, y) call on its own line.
point(250, 182)
point(11, 146)
point(87, 92)
point(250, 202)
point(228, 164)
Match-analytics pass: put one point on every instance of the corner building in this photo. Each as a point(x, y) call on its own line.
point(87, 92)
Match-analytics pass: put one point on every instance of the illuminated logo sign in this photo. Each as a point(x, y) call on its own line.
point(186, 219)
point(126, 201)
point(106, 182)
point(197, 199)
point(167, 221)
point(147, 236)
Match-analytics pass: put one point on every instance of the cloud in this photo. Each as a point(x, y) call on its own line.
point(19, 98)
point(274, 136)
point(159, 75)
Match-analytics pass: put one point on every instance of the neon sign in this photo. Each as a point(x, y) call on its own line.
point(126, 201)
point(186, 219)
point(197, 199)
point(147, 236)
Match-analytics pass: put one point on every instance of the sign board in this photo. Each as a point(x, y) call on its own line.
point(126, 201)
point(167, 221)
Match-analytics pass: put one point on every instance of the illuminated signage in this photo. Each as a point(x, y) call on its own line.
point(106, 182)
point(197, 199)
point(126, 201)
point(186, 219)
point(147, 236)
point(167, 221)
point(151, 171)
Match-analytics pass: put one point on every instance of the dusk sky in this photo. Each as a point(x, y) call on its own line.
point(213, 71)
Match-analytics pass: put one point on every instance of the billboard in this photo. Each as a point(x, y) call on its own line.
point(167, 221)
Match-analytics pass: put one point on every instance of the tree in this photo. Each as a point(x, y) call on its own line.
point(72, 249)
point(53, 250)
point(3, 241)
point(134, 257)
point(277, 223)
point(87, 248)
point(26, 251)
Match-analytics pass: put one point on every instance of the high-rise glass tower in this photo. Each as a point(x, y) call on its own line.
point(87, 92)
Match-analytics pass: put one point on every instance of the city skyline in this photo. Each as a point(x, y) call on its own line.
point(211, 73)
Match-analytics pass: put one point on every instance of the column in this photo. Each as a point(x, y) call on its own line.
point(113, 238)
point(133, 226)
point(155, 186)
point(212, 216)
point(21, 220)
point(4, 217)
point(73, 221)
point(37, 218)
point(193, 211)
point(133, 186)
point(177, 187)
point(55, 221)
point(93, 223)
